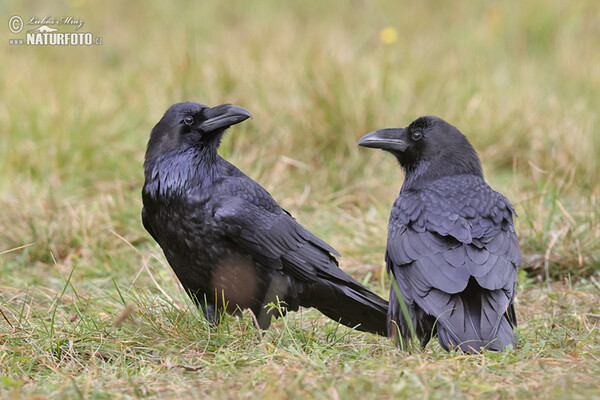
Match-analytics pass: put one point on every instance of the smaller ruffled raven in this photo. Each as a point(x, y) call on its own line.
point(452, 250)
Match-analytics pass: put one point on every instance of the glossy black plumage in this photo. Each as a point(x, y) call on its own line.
point(452, 248)
point(230, 244)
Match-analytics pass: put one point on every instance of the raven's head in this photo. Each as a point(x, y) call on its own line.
point(428, 148)
point(186, 125)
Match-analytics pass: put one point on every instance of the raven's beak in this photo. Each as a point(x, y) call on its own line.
point(223, 116)
point(390, 139)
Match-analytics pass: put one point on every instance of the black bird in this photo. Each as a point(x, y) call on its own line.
point(452, 249)
point(230, 244)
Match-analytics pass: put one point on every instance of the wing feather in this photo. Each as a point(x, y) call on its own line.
point(438, 253)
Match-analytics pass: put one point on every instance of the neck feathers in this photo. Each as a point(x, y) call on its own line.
point(465, 162)
point(172, 175)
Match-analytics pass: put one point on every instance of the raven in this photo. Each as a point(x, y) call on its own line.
point(230, 244)
point(452, 250)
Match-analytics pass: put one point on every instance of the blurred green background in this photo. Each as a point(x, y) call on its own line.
point(520, 79)
point(523, 83)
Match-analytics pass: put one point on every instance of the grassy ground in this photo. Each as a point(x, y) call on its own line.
point(88, 306)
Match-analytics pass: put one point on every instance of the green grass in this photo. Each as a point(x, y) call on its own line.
point(90, 309)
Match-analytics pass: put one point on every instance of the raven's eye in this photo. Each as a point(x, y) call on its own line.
point(188, 120)
point(417, 135)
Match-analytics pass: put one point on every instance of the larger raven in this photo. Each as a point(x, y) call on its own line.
point(230, 244)
point(452, 249)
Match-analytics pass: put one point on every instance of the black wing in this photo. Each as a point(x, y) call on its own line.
point(273, 237)
point(257, 225)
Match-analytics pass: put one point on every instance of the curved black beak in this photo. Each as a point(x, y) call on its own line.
point(391, 139)
point(223, 116)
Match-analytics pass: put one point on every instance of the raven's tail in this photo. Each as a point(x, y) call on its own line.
point(477, 319)
point(347, 302)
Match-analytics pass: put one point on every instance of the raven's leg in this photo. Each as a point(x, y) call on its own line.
point(426, 328)
point(408, 319)
point(275, 294)
point(398, 323)
point(212, 314)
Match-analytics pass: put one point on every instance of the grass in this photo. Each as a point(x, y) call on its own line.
point(90, 309)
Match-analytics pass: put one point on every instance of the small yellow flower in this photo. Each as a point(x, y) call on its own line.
point(388, 35)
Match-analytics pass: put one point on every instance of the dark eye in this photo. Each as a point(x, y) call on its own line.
point(188, 120)
point(417, 135)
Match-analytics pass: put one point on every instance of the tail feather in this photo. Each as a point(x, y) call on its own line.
point(506, 334)
point(504, 338)
point(474, 319)
point(355, 307)
point(479, 319)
